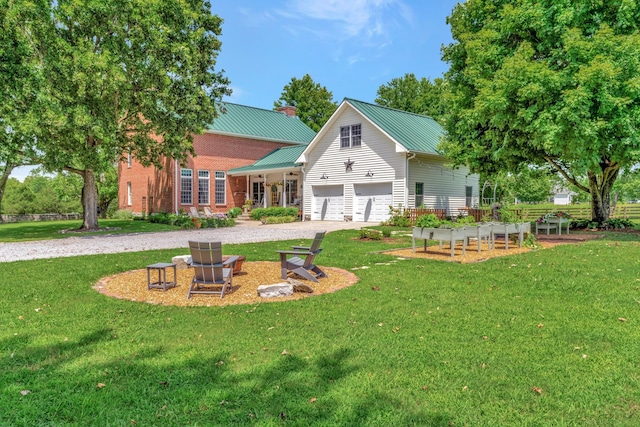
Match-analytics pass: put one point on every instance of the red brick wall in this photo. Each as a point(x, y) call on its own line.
point(153, 189)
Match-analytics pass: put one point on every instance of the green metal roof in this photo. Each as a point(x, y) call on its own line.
point(262, 124)
point(280, 158)
point(415, 132)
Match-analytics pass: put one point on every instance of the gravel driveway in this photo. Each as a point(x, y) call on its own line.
point(243, 232)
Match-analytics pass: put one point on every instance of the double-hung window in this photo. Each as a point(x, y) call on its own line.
point(203, 187)
point(350, 136)
point(221, 187)
point(419, 194)
point(186, 186)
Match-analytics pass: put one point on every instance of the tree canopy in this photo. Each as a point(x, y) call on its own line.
point(114, 77)
point(407, 93)
point(40, 194)
point(314, 103)
point(546, 81)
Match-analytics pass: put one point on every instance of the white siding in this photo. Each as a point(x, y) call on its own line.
point(444, 188)
point(377, 155)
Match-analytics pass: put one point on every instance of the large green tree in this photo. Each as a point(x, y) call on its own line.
point(18, 89)
point(546, 81)
point(314, 103)
point(407, 93)
point(116, 77)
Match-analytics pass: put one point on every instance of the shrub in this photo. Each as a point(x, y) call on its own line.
point(278, 219)
point(366, 233)
point(159, 218)
point(218, 221)
point(583, 223)
point(386, 232)
point(610, 224)
point(234, 212)
point(123, 214)
point(259, 213)
point(531, 242)
point(398, 217)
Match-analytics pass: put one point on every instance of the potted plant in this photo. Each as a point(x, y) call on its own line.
point(247, 205)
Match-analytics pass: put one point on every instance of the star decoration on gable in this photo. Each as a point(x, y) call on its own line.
point(348, 165)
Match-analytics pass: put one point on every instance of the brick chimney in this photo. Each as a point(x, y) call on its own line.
point(289, 110)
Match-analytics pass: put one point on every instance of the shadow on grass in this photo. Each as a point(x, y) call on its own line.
point(70, 383)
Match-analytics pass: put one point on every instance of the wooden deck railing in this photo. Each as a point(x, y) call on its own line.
point(415, 213)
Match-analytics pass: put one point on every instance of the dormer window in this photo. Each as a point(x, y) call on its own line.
point(350, 136)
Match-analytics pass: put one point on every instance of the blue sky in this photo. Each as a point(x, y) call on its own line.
point(351, 47)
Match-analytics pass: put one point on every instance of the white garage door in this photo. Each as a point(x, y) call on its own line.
point(328, 203)
point(372, 202)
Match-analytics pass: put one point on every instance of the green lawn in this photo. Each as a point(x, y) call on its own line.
point(546, 338)
point(44, 230)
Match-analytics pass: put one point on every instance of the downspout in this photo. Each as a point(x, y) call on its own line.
point(175, 189)
point(411, 156)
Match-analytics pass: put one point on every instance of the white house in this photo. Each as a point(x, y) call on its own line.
point(367, 158)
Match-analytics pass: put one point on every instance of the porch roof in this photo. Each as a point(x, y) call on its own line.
point(283, 158)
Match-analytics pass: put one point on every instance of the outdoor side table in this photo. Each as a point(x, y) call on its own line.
point(161, 283)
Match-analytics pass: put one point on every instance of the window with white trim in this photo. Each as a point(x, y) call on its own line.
point(129, 194)
point(186, 186)
point(419, 194)
point(350, 136)
point(203, 187)
point(221, 188)
point(129, 160)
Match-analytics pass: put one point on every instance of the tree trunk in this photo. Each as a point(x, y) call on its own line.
point(600, 188)
point(89, 201)
point(6, 171)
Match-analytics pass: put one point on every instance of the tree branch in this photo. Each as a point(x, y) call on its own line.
point(566, 176)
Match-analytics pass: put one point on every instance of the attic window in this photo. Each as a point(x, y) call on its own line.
point(350, 136)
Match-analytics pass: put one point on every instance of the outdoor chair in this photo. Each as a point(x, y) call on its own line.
point(210, 274)
point(302, 259)
point(194, 212)
point(207, 212)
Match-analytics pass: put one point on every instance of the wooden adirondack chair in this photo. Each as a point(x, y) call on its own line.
point(210, 274)
point(302, 260)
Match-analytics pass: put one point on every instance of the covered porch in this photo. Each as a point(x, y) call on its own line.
point(274, 180)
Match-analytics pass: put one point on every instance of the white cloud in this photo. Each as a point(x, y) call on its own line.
point(236, 95)
point(364, 19)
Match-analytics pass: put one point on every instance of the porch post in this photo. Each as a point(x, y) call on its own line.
point(284, 190)
point(264, 189)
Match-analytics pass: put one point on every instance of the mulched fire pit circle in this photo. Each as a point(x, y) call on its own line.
point(132, 285)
